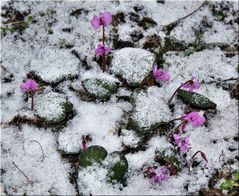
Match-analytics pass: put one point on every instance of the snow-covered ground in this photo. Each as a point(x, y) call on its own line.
point(57, 49)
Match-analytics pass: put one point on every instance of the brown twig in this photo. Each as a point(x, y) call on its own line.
point(4, 68)
point(178, 20)
point(43, 155)
point(221, 155)
point(171, 98)
point(22, 173)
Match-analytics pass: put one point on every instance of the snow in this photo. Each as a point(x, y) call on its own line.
point(129, 138)
point(17, 147)
point(206, 65)
point(54, 69)
point(150, 108)
point(99, 84)
point(133, 64)
point(47, 54)
point(214, 31)
point(98, 120)
point(49, 106)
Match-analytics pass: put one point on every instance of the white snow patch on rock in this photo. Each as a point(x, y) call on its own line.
point(53, 65)
point(50, 107)
point(151, 107)
point(133, 64)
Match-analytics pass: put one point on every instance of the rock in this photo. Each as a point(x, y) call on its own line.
point(153, 41)
point(147, 23)
point(54, 65)
point(196, 100)
point(91, 155)
point(100, 85)
point(118, 168)
point(133, 64)
point(52, 107)
point(150, 110)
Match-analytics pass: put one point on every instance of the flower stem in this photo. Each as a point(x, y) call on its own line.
point(176, 119)
point(177, 128)
point(103, 34)
point(103, 57)
point(171, 98)
point(202, 154)
point(32, 107)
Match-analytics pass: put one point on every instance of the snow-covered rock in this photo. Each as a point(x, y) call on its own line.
point(150, 109)
point(99, 85)
point(52, 107)
point(133, 64)
point(54, 65)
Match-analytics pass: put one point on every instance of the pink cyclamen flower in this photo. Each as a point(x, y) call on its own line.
point(161, 74)
point(102, 50)
point(104, 19)
point(183, 143)
point(191, 85)
point(195, 118)
point(29, 85)
point(160, 175)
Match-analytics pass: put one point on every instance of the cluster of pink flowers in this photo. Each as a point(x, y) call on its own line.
point(104, 19)
point(195, 118)
point(30, 87)
point(159, 174)
point(102, 50)
point(160, 74)
point(182, 142)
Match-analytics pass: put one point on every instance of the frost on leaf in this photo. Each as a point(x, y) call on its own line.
point(196, 100)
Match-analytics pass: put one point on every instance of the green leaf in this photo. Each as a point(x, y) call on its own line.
point(91, 155)
point(196, 100)
point(119, 169)
point(235, 176)
point(227, 185)
point(29, 19)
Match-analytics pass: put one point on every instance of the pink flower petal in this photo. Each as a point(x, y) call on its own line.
point(95, 22)
point(106, 18)
point(177, 138)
